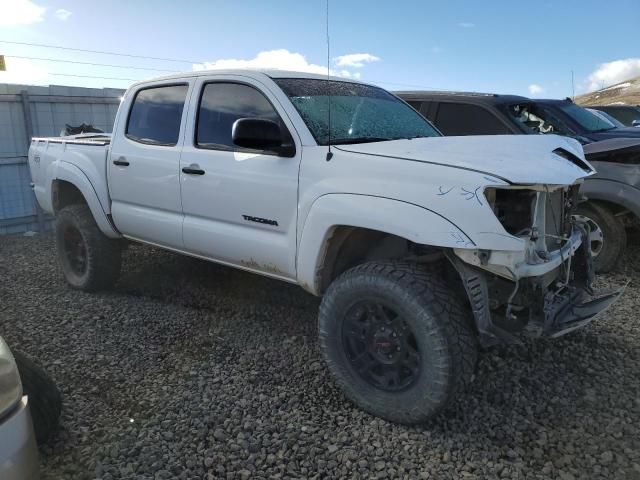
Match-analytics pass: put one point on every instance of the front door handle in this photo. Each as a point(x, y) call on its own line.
point(193, 170)
point(121, 162)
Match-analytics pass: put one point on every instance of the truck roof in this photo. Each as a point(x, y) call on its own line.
point(256, 73)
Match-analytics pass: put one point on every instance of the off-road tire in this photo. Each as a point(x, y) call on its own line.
point(103, 255)
point(614, 235)
point(44, 400)
point(442, 328)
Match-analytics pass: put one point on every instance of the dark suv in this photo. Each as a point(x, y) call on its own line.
point(627, 114)
point(613, 193)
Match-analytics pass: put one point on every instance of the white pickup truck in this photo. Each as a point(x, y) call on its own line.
point(421, 246)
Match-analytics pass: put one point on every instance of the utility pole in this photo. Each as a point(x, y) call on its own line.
point(573, 87)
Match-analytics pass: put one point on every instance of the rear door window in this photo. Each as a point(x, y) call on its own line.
point(463, 119)
point(156, 114)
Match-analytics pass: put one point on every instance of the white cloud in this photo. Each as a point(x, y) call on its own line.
point(24, 72)
point(63, 14)
point(466, 24)
point(614, 72)
point(355, 60)
point(535, 89)
point(20, 12)
point(283, 59)
point(346, 74)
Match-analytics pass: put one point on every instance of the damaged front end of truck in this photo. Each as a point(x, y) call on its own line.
point(547, 288)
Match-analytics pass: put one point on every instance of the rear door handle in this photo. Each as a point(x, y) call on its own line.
point(121, 162)
point(193, 170)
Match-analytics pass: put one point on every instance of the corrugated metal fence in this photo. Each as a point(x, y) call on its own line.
point(27, 111)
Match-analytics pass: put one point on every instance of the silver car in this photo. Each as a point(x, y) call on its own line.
point(18, 450)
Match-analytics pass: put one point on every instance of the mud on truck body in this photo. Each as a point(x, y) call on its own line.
point(421, 246)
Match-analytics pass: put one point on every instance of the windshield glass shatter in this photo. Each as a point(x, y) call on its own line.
point(359, 113)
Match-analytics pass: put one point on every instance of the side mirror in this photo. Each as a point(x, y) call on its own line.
point(256, 133)
point(635, 123)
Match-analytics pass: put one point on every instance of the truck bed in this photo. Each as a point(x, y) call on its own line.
point(81, 139)
point(55, 158)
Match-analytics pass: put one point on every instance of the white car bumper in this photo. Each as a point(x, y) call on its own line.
point(18, 450)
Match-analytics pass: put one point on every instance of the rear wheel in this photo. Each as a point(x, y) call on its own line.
point(608, 237)
point(90, 260)
point(397, 340)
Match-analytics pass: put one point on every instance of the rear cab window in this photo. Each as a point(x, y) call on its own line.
point(156, 114)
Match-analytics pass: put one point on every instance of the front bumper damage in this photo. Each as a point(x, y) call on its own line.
point(535, 302)
point(570, 311)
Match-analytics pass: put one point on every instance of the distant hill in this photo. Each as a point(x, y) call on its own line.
point(627, 92)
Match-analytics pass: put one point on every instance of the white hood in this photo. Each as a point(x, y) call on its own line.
point(523, 159)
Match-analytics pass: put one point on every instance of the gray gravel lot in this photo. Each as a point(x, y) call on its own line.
point(192, 370)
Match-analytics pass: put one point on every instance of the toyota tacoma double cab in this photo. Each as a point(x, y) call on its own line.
point(422, 247)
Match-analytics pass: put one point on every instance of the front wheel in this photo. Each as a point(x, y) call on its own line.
point(90, 260)
point(397, 340)
point(607, 236)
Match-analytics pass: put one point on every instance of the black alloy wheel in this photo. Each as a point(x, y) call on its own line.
point(380, 346)
point(75, 250)
point(90, 261)
point(398, 340)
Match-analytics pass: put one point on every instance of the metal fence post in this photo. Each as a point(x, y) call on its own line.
point(28, 128)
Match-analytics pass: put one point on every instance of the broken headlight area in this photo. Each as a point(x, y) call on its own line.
point(513, 207)
point(542, 214)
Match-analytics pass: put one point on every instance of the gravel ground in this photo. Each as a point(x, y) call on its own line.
point(192, 370)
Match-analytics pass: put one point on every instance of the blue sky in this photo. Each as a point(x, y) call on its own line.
point(527, 48)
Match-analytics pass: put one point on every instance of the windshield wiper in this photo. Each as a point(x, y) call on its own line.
point(346, 141)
